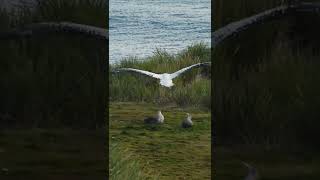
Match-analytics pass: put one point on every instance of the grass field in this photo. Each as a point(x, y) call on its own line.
point(52, 154)
point(266, 95)
point(271, 164)
point(55, 80)
point(40, 70)
point(166, 151)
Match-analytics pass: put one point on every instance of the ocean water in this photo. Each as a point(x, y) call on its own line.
point(139, 27)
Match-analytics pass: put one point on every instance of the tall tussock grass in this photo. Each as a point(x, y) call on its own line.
point(265, 88)
point(227, 11)
point(191, 89)
point(91, 12)
point(273, 101)
point(73, 10)
point(55, 80)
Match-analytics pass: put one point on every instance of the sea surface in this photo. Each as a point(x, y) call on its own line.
point(139, 27)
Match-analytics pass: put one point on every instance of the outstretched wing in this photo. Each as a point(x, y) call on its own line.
point(50, 27)
point(174, 75)
point(154, 75)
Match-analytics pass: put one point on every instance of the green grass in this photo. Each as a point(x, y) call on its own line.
point(226, 11)
point(52, 154)
point(266, 95)
point(271, 164)
point(268, 99)
point(40, 76)
point(167, 151)
point(191, 89)
point(91, 12)
point(122, 166)
point(264, 85)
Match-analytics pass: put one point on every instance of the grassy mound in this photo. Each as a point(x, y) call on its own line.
point(121, 165)
point(167, 151)
point(55, 80)
point(52, 154)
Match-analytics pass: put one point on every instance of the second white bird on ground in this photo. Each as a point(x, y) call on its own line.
point(187, 123)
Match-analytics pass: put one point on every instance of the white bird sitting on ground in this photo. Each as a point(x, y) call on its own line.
point(252, 172)
point(186, 123)
point(159, 119)
point(165, 78)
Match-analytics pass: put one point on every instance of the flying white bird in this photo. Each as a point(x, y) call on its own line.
point(159, 119)
point(186, 123)
point(165, 78)
point(252, 172)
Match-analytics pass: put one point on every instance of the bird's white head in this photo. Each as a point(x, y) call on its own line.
point(188, 115)
point(160, 116)
point(187, 121)
point(252, 172)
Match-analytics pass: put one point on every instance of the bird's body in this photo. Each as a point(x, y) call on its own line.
point(165, 78)
point(187, 123)
point(159, 119)
point(252, 172)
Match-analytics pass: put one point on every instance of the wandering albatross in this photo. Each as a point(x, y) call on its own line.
point(165, 78)
point(187, 123)
point(159, 119)
point(252, 172)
